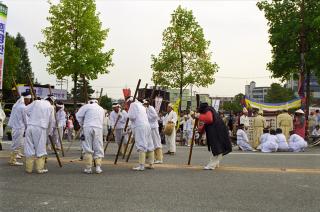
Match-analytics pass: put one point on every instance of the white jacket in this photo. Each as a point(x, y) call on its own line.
point(152, 117)
point(91, 115)
point(40, 114)
point(122, 121)
point(172, 116)
point(138, 115)
point(18, 118)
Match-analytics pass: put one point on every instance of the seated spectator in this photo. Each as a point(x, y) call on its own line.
point(242, 139)
point(296, 143)
point(271, 143)
point(316, 132)
point(264, 137)
point(282, 141)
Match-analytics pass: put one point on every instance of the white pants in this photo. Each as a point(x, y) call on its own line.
point(214, 161)
point(143, 139)
point(17, 139)
point(245, 146)
point(156, 138)
point(118, 135)
point(35, 141)
point(93, 142)
point(171, 141)
point(187, 134)
point(55, 136)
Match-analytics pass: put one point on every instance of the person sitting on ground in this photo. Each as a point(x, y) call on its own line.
point(271, 143)
point(316, 133)
point(242, 139)
point(264, 137)
point(296, 143)
point(282, 141)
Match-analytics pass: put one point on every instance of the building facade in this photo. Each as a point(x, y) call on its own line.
point(256, 93)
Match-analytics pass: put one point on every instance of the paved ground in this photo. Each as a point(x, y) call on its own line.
point(244, 182)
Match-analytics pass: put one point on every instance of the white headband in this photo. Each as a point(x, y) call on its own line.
point(130, 99)
point(27, 97)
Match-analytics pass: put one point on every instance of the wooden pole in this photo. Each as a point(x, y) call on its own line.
point(127, 122)
point(57, 127)
point(194, 130)
point(99, 100)
point(114, 128)
point(33, 94)
point(130, 135)
point(55, 151)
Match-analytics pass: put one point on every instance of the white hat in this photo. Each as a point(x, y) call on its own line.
point(145, 101)
point(299, 111)
point(245, 110)
point(260, 112)
point(129, 99)
point(170, 105)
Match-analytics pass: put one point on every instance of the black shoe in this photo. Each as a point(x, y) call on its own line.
point(168, 153)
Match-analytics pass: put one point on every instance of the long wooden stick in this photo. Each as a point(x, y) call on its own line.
point(57, 127)
point(194, 130)
point(130, 135)
point(127, 122)
point(99, 100)
point(112, 133)
point(55, 151)
point(33, 94)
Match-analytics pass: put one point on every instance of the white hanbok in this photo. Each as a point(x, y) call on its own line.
point(154, 125)
point(296, 143)
point(171, 139)
point(270, 145)
point(140, 127)
point(282, 143)
point(187, 129)
point(90, 117)
point(40, 120)
point(119, 128)
point(263, 139)
point(2, 118)
point(243, 141)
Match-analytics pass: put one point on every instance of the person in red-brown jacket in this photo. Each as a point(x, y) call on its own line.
point(217, 135)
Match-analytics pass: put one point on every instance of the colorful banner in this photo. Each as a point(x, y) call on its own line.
point(44, 92)
point(126, 92)
point(158, 102)
point(3, 19)
point(293, 104)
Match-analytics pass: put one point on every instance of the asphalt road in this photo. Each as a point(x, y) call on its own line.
point(244, 182)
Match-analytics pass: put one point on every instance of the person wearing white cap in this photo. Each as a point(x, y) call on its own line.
point(61, 123)
point(171, 119)
point(153, 121)
point(121, 116)
point(18, 123)
point(285, 123)
point(244, 119)
point(259, 123)
point(142, 133)
point(40, 117)
point(90, 118)
point(299, 123)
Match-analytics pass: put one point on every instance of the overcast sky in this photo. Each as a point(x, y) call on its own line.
point(237, 31)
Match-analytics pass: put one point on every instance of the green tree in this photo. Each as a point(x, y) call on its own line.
point(278, 94)
point(11, 65)
point(235, 105)
point(82, 93)
point(294, 28)
point(185, 58)
point(25, 65)
point(106, 102)
point(74, 41)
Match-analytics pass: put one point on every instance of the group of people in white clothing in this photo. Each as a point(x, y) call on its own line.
point(272, 141)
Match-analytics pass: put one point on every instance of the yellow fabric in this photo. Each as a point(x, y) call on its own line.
point(274, 107)
point(39, 164)
point(259, 122)
point(285, 123)
point(88, 160)
point(98, 161)
point(150, 156)
point(12, 159)
point(142, 158)
point(29, 164)
point(158, 154)
point(176, 109)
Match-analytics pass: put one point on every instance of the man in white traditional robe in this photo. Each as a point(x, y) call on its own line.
point(242, 140)
point(90, 118)
point(296, 143)
point(153, 119)
point(244, 119)
point(61, 123)
point(187, 129)
point(171, 118)
point(142, 133)
point(40, 117)
point(18, 123)
point(121, 116)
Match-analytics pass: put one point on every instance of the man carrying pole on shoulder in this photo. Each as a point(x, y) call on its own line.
point(90, 118)
point(18, 123)
point(40, 117)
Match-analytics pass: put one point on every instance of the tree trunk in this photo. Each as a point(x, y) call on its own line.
point(85, 90)
point(181, 77)
point(75, 80)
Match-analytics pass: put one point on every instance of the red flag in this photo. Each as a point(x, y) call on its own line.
point(126, 92)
